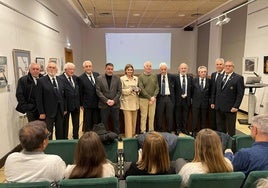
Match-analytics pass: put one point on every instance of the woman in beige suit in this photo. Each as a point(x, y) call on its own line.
point(129, 101)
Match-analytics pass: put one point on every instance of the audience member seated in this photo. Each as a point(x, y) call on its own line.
point(90, 159)
point(32, 164)
point(256, 157)
point(208, 157)
point(153, 157)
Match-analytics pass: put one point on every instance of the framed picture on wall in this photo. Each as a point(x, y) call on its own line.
point(250, 64)
point(21, 61)
point(41, 62)
point(265, 64)
point(3, 71)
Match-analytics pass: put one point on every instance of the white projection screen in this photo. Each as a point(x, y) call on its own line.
point(136, 48)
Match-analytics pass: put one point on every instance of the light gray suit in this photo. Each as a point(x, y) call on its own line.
point(104, 93)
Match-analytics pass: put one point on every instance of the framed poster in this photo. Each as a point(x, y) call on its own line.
point(41, 62)
point(265, 65)
point(21, 61)
point(249, 64)
point(3, 71)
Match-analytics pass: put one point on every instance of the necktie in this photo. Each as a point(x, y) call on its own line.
point(163, 86)
point(224, 81)
point(202, 83)
point(217, 74)
point(70, 80)
point(183, 84)
point(54, 83)
point(91, 80)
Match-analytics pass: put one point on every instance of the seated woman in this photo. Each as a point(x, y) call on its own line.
point(153, 159)
point(90, 159)
point(208, 157)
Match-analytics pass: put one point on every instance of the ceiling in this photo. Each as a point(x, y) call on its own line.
point(148, 13)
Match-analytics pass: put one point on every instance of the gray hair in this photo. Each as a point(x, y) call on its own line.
point(220, 59)
point(87, 61)
point(261, 121)
point(163, 64)
point(69, 65)
point(262, 183)
point(201, 67)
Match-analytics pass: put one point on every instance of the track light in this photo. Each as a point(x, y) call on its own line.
point(219, 22)
point(87, 21)
point(226, 20)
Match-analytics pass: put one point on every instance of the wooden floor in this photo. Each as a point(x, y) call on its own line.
point(242, 128)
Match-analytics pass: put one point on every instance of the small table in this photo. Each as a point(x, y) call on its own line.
point(251, 101)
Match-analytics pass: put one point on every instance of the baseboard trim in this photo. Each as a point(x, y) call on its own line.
point(18, 148)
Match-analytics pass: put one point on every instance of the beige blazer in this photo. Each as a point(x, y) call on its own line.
point(129, 99)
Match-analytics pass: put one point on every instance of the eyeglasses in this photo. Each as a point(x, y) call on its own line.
point(250, 126)
point(48, 134)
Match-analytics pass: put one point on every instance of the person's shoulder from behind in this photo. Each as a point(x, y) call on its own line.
point(108, 170)
point(68, 171)
point(193, 168)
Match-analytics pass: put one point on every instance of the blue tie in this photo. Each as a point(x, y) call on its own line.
point(183, 84)
point(163, 86)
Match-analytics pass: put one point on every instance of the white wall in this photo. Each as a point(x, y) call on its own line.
point(256, 46)
point(20, 32)
point(183, 46)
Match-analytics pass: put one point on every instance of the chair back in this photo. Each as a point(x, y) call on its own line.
point(110, 182)
point(63, 148)
point(184, 149)
point(43, 184)
point(130, 147)
point(216, 180)
point(242, 141)
point(253, 177)
point(111, 150)
point(155, 181)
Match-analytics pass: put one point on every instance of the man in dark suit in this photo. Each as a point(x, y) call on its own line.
point(183, 99)
point(166, 98)
point(50, 100)
point(219, 64)
point(71, 92)
point(200, 99)
point(88, 97)
point(109, 89)
point(26, 93)
point(229, 94)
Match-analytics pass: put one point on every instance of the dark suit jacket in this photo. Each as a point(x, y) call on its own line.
point(201, 97)
point(105, 93)
point(26, 94)
point(88, 95)
point(71, 93)
point(231, 95)
point(178, 90)
point(48, 98)
point(171, 84)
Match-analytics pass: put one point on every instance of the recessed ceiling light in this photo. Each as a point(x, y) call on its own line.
point(131, 26)
point(181, 15)
point(136, 14)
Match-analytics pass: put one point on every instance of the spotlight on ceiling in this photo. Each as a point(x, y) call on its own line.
point(226, 19)
point(219, 22)
point(87, 21)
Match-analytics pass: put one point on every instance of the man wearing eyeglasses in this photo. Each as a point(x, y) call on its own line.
point(31, 164)
point(254, 158)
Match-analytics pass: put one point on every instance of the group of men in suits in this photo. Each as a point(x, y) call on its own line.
point(220, 95)
point(54, 98)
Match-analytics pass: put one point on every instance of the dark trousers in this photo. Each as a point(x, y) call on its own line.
point(75, 121)
point(106, 112)
point(91, 117)
point(199, 115)
point(213, 123)
point(181, 115)
point(58, 122)
point(226, 122)
point(164, 107)
point(32, 116)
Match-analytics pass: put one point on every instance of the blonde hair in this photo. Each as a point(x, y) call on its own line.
point(208, 150)
point(155, 156)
